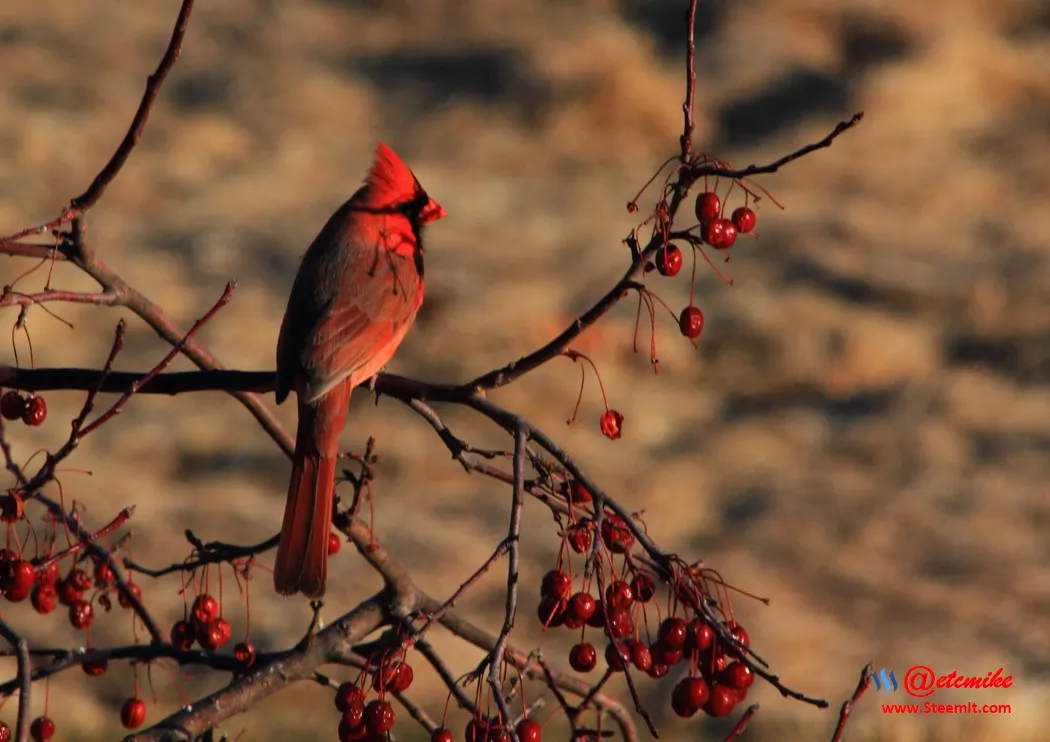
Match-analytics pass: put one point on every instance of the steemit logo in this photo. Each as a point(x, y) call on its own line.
point(883, 680)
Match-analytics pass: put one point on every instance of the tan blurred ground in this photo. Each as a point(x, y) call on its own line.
point(863, 437)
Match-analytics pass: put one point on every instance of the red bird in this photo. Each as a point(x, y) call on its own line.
point(356, 294)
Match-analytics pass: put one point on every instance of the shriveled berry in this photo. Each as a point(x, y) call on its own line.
point(708, 206)
point(556, 584)
point(205, 608)
point(616, 535)
point(669, 260)
point(529, 730)
point(579, 538)
point(133, 713)
point(611, 424)
point(581, 607)
point(42, 729)
point(95, 668)
point(12, 405)
point(744, 220)
point(673, 632)
point(346, 694)
point(35, 412)
point(583, 657)
point(691, 322)
point(379, 716)
point(103, 575)
point(44, 598)
point(721, 700)
point(441, 735)
point(643, 587)
point(244, 652)
point(81, 614)
point(618, 594)
point(617, 656)
point(80, 579)
point(737, 676)
point(183, 635)
point(134, 590)
point(334, 544)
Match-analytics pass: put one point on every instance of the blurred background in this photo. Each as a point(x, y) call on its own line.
point(862, 437)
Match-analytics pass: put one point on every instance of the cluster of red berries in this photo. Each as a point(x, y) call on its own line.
point(204, 625)
point(371, 721)
point(717, 680)
point(718, 232)
point(30, 409)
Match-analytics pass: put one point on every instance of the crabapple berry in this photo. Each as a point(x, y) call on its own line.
point(721, 700)
point(644, 587)
point(658, 671)
point(103, 575)
point(529, 730)
point(133, 713)
point(581, 607)
point(441, 734)
point(700, 636)
point(579, 537)
point(347, 732)
point(617, 656)
point(551, 613)
point(12, 405)
point(68, 594)
point(672, 632)
point(738, 633)
point(689, 696)
point(403, 677)
point(183, 635)
point(728, 235)
point(81, 614)
point(597, 619)
point(19, 578)
point(738, 676)
point(664, 654)
point(616, 535)
point(44, 598)
point(346, 694)
point(5, 732)
point(620, 623)
point(214, 634)
point(618, 594)
point(556, 584)
point(641, 657)
point(354, 716)
point(691, 322)
point(379, 717)
point(611, 424)
point(205, 609)
point(334, 544)
point(134, 590)
point(744, 220)
point(35, 412)
point(42, 729)
point(94, 668)
point(714, 232)
point(244, 652)
point(669, 260)
point(707, 206)
point(583, 657)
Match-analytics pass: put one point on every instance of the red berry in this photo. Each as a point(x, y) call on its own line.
point(217, 632)
point(617, 656)
point(714, 231)
point(529, 730)
point(349, 732)
point(244, 652)
point(611, 424)
point(103, 575)
point(597, 619)
point(403, 677)
point(12, 508)
point(673, 632)
point(79, 579)
point(691, 322)
point(721, 700)
point(81, 614)
point(643, 587)
point(616, 535)
point(442, 735)
point(133, 713)
point(641, 657)
point(134, 590)
point(205, 609)
point(44, 598)
point(478, 729)
point(354, 716)
point(712, 668)
point(700, 636)
point(183, 635)
point(379, 717)
point(578, 494)
point(618, 594)
point(620, 623)
point(669, 260)
point(689, 696)
point(20, 577)
point(551, 612)
point(739, 633)
point(35, 412)
point(94, 668)
point(728, 235)
point(334, 543)
point(744, 220)
point(346, 694)
point(581, 607)
point(556, 584)
point(707, 206)
point(658, 671)
point(738, 676)
point(5, 732)
point(42, 729)
point(12, 405)
point(583, 657)
point(664, 654)
point(579, 537)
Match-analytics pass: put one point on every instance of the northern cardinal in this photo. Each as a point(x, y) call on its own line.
point(356, 294)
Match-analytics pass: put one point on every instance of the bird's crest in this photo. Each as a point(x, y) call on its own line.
point(389, 181)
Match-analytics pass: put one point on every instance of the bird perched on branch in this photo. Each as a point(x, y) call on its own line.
point(357, 292)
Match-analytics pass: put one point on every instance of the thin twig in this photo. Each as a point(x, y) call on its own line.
point(25, 679)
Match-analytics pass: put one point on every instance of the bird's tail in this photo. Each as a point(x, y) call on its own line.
point(302, 552)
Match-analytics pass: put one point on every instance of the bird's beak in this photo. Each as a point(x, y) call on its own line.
point(431, 212)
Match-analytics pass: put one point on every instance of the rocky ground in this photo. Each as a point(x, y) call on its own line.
point(863, 436)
